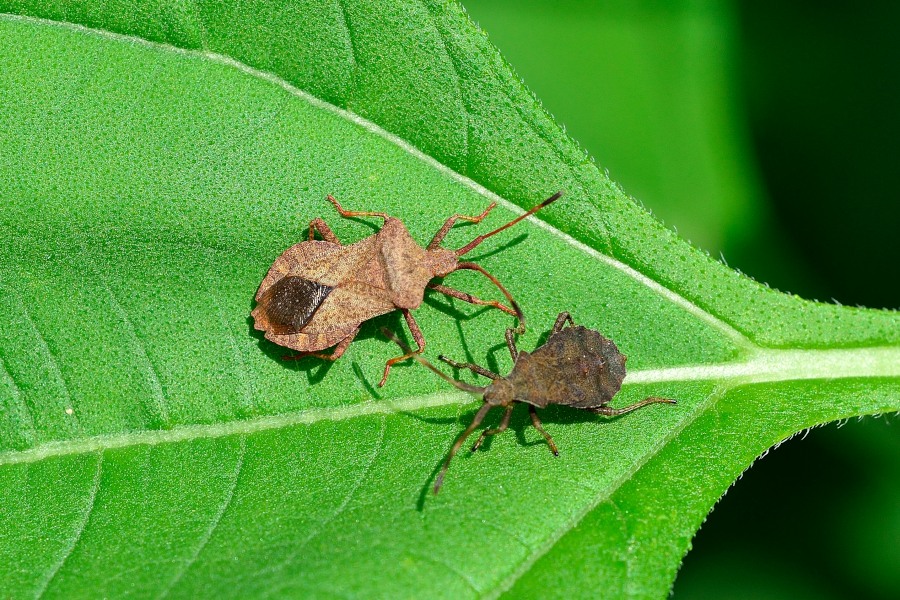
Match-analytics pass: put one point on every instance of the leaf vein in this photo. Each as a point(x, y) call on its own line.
point(248, 390)
point(76, 539)
point(354, 60)
point(449, 567)
point(741, 340)
point(457, 83)
point(19, 407)
point(156, 404)
point(213, 525)
point(51, 362)
point(768, 366)
point(364, 473)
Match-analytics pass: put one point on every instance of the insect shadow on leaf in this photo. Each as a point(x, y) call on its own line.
point(317, 293)
point(316, 370)
point(576, 367)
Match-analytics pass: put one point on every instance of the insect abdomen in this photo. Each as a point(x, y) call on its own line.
point(586, 369)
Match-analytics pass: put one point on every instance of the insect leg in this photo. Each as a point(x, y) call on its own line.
point(355, 213)
point(479, 417)
point(324, 230)
point(504, 423)
point(442, 232)
point(417, 336)
point(537, 425)
point(469, 266)
point(466, 297)
point(561, 322)
point(472, 367)
point(336, 354)
point(474, 389)
point(614, 412)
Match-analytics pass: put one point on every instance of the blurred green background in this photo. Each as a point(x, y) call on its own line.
point(768, 134)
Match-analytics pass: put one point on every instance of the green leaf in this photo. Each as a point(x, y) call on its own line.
point(156, 157)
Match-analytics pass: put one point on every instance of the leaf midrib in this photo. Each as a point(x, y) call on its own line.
point(764, 366)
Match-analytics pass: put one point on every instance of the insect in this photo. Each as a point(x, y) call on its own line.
point(318, 292)
point(575, 367)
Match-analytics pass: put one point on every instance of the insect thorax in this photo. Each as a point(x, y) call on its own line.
point(501, 392)
point(441, 262)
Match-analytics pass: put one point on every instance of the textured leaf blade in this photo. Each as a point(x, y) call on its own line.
point(170, 241)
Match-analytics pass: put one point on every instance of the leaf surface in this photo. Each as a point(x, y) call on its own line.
point(156, 159)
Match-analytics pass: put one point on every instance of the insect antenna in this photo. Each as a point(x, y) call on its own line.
point(471, 245)
point(472, 389)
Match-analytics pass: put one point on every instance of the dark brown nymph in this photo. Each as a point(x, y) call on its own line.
point(576, 367)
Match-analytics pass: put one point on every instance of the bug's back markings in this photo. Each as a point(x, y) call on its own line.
point(291, 303)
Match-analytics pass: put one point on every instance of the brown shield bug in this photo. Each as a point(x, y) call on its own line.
point(575, 367)
point(318, 292)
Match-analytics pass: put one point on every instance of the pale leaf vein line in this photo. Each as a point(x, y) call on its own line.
point(354, 60)
point(768, 367)
point(19, 406)
point(457, 79)
point(511, 533)
point(669, 294)
point(213, 525)
point(449, 567)
point(247, 388)
point(351, 493)
point(156, 405)
point(51, 362)
point(76, 538)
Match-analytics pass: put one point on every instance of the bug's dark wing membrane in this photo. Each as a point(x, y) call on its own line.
point(291, 302)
